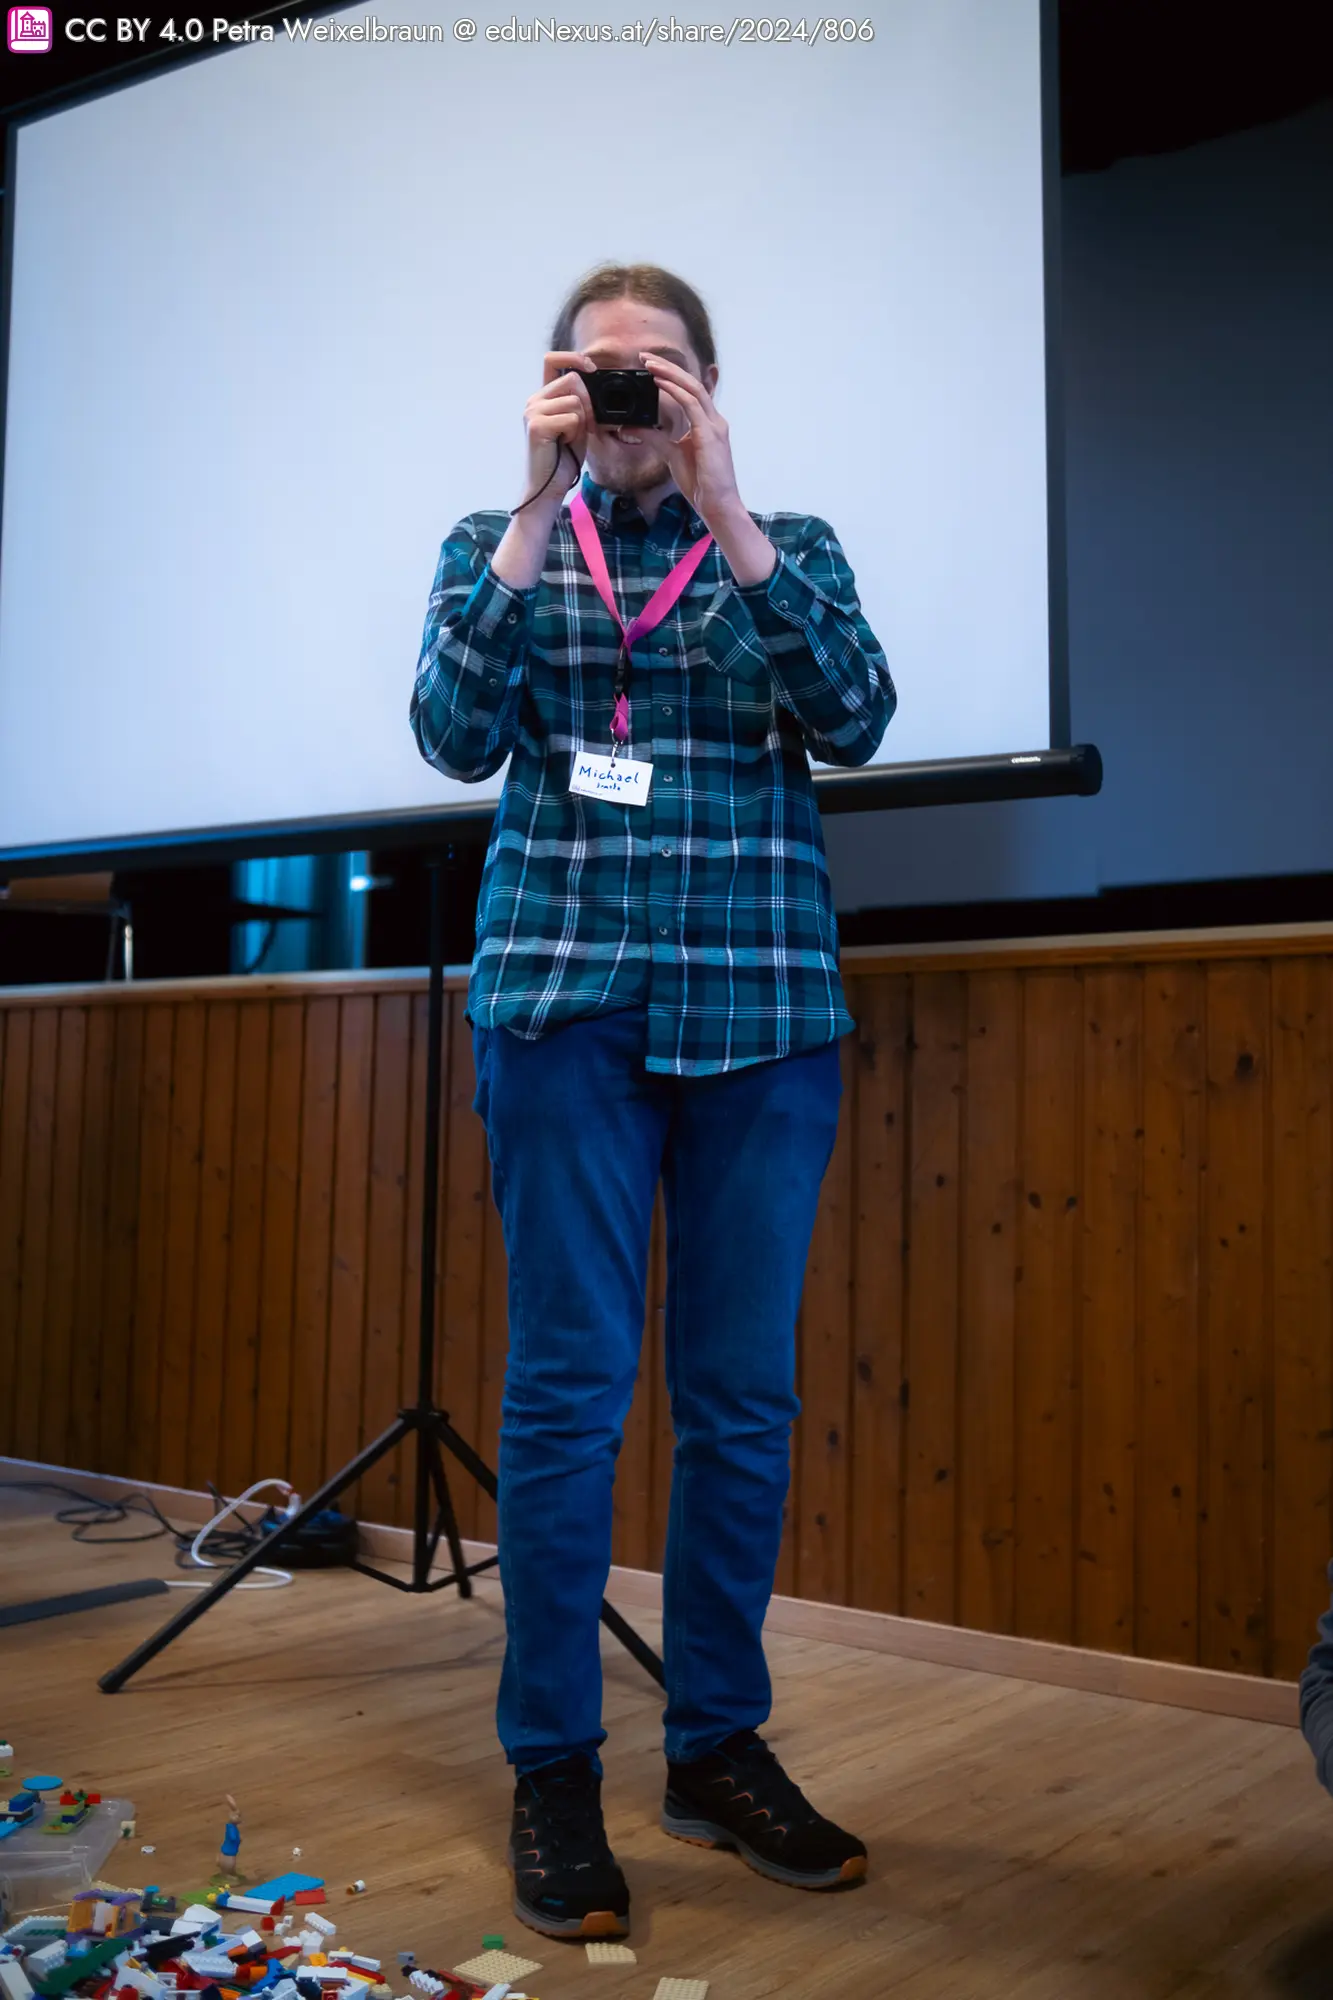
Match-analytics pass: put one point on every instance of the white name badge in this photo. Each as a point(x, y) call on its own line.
point(596, 777)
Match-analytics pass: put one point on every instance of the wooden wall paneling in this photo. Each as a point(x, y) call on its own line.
point(879, 1113)
point(15, 1075)
point(822, 1502)
point(344, 1387)
point(390, 1318)
point(986, 1467)
point(1167, 1515)
point(275, 1424)
point(1236, 1367)
point(1301, 1206)
point(53, 1360)
point(116, 1402)
point(203, 1235)
point(307, 1459)
point(209, 1382)
point(493, 1348)
point(174, 1467)
point(89, 1330)
point(1108, 1319)
point(150, 1259)
point(663, 1431)
point(465, 1190)
point(240, 1381)
point(1046, 1301)
point(36, 1234)
point(935, 1128)
point(400, 1465)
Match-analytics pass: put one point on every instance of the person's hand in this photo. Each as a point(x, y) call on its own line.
point(695, 443)
point(561, 409)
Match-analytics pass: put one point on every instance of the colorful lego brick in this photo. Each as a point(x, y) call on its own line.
point(73, 1811)
point(285, 1887)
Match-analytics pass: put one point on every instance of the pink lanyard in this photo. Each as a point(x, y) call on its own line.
point(654, 611)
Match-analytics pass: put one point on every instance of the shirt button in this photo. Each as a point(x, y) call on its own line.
point(661, 930)
point(493, 681)
point(666, 711)
point(782, 604)
point(666, 853)
point(666, 778)
point(664, 649)
point(512, 618)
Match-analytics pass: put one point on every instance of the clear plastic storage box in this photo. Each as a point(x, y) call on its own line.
point(45, 1871)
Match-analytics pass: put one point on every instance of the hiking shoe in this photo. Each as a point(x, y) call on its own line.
point(739, 1796)
point(566, 1881)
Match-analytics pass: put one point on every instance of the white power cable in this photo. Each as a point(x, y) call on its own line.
point(281, 1577)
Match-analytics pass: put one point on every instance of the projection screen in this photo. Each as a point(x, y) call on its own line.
point(273, 315)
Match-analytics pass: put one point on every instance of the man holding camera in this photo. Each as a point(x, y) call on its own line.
point(655, 994)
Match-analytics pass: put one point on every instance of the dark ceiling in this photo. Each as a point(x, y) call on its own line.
point(1136, 76)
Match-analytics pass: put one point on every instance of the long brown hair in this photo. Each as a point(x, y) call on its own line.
point(651, 286)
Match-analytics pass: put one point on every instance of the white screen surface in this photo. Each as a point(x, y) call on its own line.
point(274, 317)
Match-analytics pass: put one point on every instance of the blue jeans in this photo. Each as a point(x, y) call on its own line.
point(579, 1133)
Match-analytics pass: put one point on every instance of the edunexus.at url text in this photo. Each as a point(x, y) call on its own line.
point(771, 28)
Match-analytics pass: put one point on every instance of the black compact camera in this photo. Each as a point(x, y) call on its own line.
point(624, 396)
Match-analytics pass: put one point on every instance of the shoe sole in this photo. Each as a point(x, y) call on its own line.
point(595, 1924)
point(702, 1833)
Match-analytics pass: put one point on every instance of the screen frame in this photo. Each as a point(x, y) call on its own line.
point(1059, 768)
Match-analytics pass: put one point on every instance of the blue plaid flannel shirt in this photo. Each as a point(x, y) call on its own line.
point(711, 904)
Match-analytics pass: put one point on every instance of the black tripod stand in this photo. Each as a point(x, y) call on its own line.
point(430, 1426)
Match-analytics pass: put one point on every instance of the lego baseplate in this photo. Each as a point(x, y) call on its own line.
point(681, 1989)
point(601, 1953)
point(497, 1965)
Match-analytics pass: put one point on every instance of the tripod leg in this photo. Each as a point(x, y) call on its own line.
point(638, 1648)
point(195, 1607)
point(446, 1516)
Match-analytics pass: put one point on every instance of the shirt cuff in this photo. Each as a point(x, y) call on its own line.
point(785, 599)
point(496, 611)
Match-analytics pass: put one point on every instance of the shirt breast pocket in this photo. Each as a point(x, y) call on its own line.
point(731, 681)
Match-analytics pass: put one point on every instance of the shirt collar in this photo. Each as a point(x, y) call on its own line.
point(614, 510)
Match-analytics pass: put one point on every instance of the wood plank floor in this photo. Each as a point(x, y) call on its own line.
point(1025, 1841)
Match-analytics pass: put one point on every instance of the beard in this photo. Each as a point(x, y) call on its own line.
point(628, 469)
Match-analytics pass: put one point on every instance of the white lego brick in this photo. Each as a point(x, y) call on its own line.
point(143, 1982)
point(209, 1962)
point(14, 1982)
point(48, 1956)
point(681, 1989)
point(318, 1923)
point(601, 1953)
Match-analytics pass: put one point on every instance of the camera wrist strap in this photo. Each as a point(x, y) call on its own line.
point(654, 611)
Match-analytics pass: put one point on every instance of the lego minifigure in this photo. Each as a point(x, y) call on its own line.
point(231, 1842)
